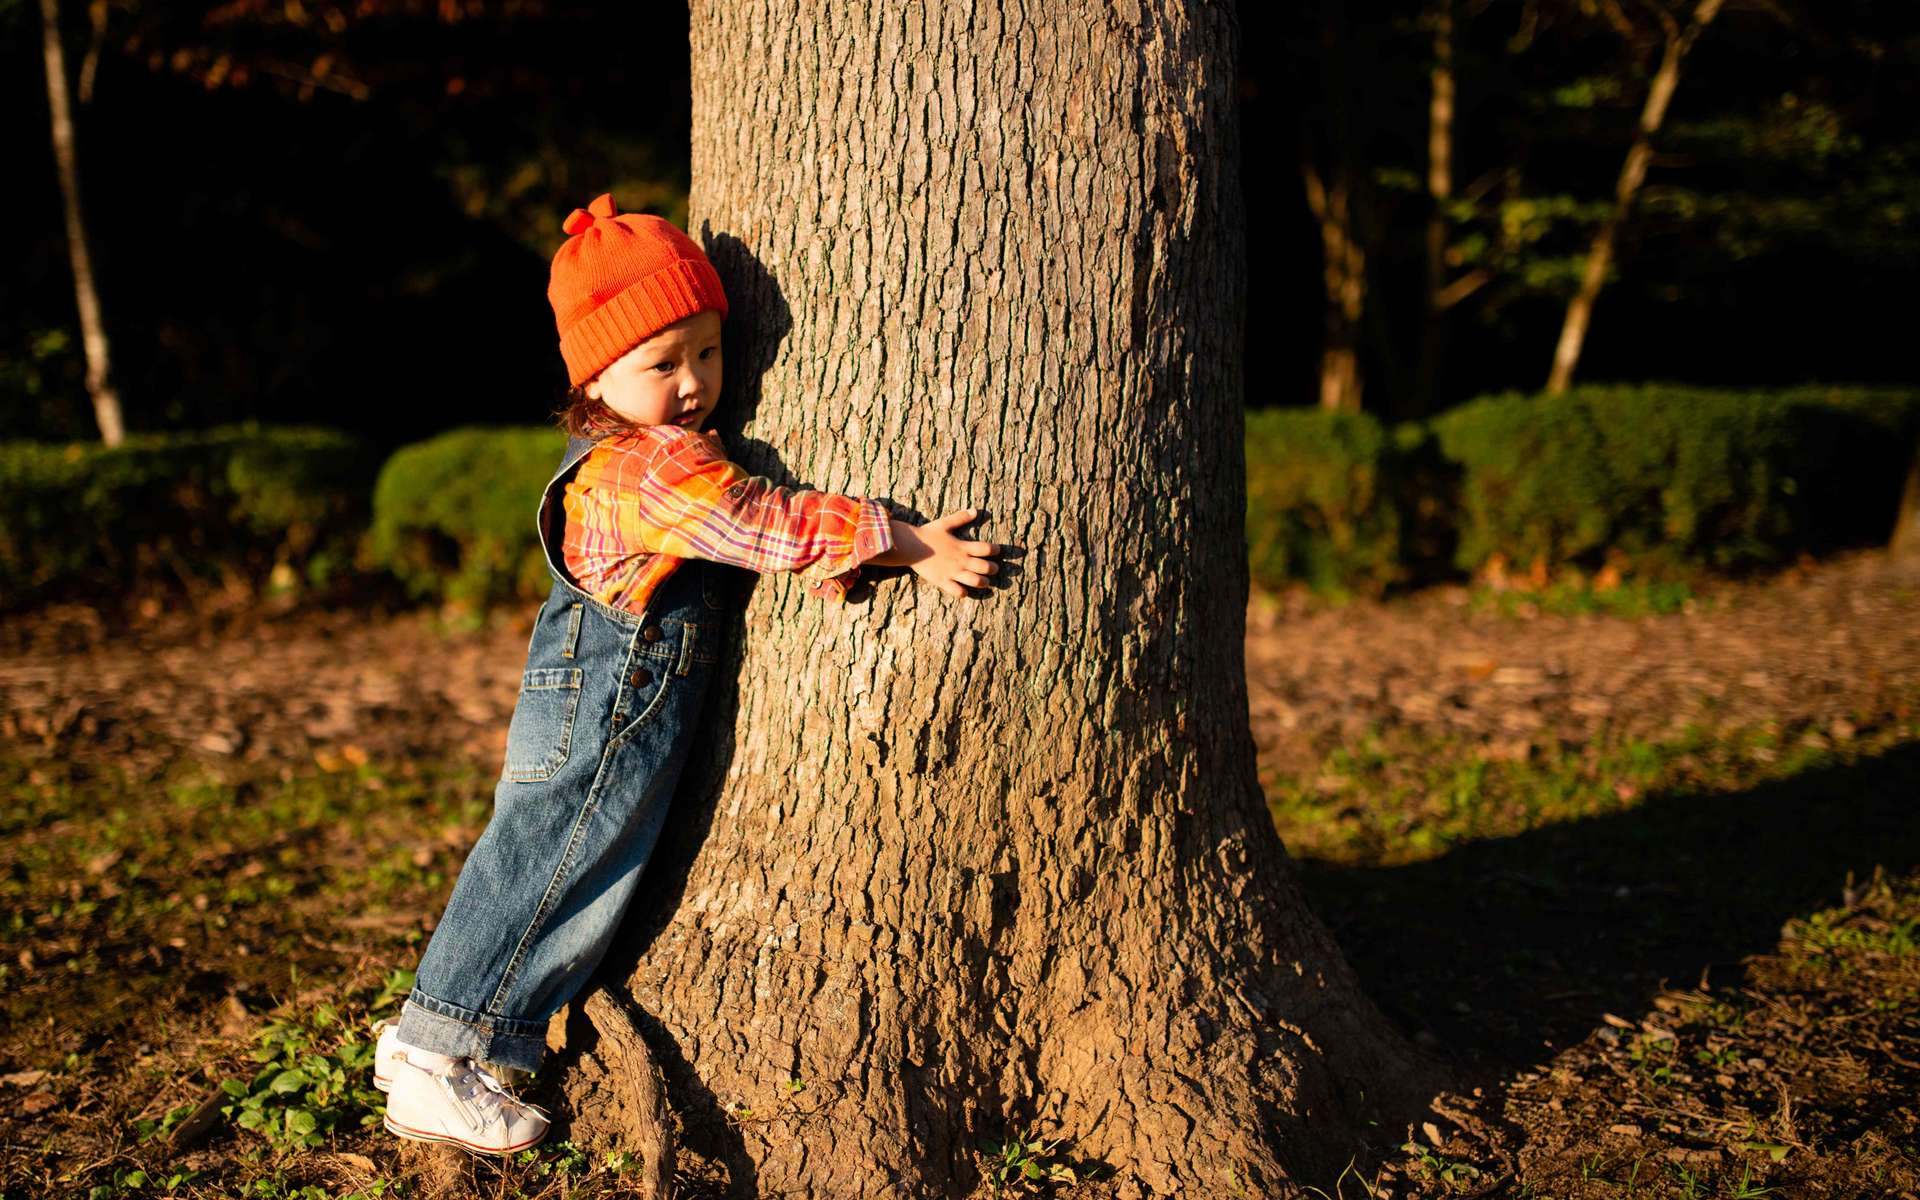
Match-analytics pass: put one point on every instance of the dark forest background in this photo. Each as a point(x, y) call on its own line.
point(334, 214)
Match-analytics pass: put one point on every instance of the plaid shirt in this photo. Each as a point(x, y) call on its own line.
point(646, 498)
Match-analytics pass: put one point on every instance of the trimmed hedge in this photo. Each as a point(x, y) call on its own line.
point(454, 516)
point(1320, 507)
point(242, 503)
point(1672, 476)
point(1676, 476)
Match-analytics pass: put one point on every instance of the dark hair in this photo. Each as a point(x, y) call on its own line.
point(583, 416)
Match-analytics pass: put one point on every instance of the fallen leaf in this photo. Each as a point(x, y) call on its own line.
point(23, 1078)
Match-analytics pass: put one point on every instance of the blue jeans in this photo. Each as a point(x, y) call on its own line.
point(598, 738)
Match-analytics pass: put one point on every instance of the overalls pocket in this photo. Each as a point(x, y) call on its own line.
point(541, 733)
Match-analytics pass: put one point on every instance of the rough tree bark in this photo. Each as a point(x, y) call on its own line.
point(958, 866)
point(66, 153)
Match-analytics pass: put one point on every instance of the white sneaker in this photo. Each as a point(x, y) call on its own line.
point(389, 1045)
point(461, 1104)
point(384, 1051)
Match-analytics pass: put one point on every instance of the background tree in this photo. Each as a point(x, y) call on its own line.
point(970, 865)
point(1677, 36)
point(66, 152)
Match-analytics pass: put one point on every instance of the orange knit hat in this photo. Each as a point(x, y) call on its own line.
point(621, 279)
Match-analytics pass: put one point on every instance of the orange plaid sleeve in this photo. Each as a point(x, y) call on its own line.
point(686, 499)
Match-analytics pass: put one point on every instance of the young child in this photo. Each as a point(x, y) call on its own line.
point(642, 507)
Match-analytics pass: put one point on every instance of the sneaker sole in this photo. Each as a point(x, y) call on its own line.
point(416, 1135)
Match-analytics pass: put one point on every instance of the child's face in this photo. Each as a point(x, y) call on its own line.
point(672, 378)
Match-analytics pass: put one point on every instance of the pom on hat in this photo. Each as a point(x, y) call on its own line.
point(582, 218)
point(634, 277)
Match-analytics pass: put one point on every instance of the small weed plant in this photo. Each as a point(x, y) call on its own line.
point(315, 1073)
point(1019, 1164)
point(1453, 1173)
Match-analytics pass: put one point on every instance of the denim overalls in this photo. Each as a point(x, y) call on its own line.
point(598, 738)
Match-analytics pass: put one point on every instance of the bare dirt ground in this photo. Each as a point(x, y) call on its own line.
point(1704, 989)
point(1817, 645)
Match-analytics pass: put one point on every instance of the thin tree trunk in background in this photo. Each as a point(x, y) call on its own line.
point(1331, 175)
point(1440, 115)
point(93, 332)
point(1573, 332)
point(1345, 277)
point(1906, 525)
point(955, 866)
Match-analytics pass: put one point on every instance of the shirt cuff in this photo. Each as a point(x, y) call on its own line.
point(872, 536)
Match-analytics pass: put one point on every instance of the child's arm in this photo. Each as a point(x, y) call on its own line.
point(691, 501)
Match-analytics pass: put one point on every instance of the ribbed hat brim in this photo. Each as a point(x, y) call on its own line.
point(675, 292)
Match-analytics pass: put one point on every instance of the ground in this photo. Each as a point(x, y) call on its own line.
point(1648, 877)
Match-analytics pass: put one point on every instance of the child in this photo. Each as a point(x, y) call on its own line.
point(631, 524)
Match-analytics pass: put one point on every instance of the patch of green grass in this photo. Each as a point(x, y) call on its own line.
point(108, 877)
point(1629, 598)
point(315, 1070)
point(1376, 802)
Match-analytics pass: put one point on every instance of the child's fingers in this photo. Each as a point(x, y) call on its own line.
point(955, 519)
point(977, 548)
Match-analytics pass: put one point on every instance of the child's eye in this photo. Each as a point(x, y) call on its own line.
point(709, 352)
point(665, 367)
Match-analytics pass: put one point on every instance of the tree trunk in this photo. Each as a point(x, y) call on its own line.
point(958, 866)
point(1906, 524)
point(1344, 275)
point(93, 330)
point(1573, 331)
point(1331, 171)
point(1440, 112)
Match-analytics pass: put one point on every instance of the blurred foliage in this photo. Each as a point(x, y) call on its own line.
point(1320, 507)
point(1676, 474)
point(377, 258)
point(1665, 477)
point(454, 516)
point(1774, 241)
point(260, 508)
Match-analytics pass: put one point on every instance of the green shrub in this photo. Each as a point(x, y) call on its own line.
point(1673, 475)
point(165, 511)
point(1321, 507)
point(453, 516)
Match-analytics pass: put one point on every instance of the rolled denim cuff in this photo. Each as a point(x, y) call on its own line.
point(433, 1024)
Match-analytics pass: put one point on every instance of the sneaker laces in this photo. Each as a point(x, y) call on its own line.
point(490, 1093)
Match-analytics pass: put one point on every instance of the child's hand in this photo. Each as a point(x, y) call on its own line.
point(945, 561)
